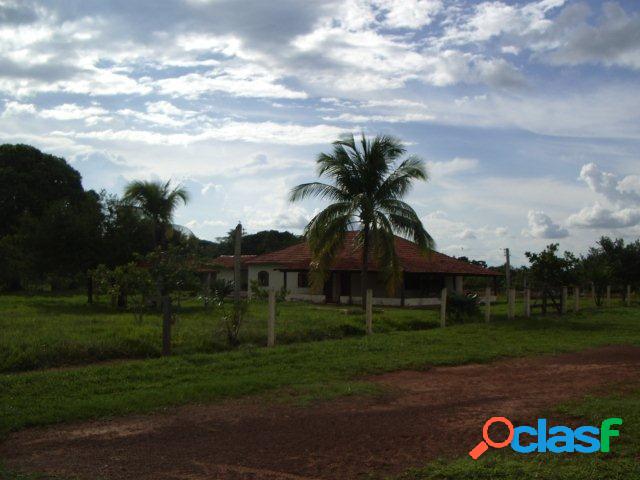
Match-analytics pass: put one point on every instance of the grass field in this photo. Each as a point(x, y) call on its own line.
point(52, 331)
point(45, 331)
point(307, 370)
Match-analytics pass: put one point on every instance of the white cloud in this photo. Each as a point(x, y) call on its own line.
point(17, 108)
point(71, 111)
point(228, 131)
point(622, 191)
point(161, 113)
point(598, 216)
point(452, 167)
point(491, 19)
point(287, 217)
point(243, 81)
point(362, 118)
point(467, 234)
point(411, 14)
point(541, 226)
point(612, 41)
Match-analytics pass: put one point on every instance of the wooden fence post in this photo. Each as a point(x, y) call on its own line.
point(564, 300)
point(576, 299)
point(608, 295)
point(443, 308)
point(527, 303)
point(511, 300)
point(487, 305)
point(628, 299)
point(369, 307)
point(271, 323)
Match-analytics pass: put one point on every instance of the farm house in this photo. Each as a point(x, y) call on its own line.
point(423, 276)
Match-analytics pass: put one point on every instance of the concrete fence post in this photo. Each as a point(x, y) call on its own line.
point(527, 303)
point(369, 312)
point(271, 323)
point(487, 305)
point(443, 307)
point(511, 299)
point(608, 295)
point(564, 300)
point(576, 299)
point(628, 299)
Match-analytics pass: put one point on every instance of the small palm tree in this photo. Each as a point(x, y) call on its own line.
point(158, 201)
point(367, 190)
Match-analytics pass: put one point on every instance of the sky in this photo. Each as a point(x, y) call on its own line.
point(527, 113)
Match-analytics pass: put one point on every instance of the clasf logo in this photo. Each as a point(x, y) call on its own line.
point(557, 439)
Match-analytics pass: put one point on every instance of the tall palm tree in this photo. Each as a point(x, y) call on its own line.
point(158, 201)
point(367, 188)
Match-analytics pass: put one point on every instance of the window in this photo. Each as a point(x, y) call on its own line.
point(263, 278)
point(303, 279)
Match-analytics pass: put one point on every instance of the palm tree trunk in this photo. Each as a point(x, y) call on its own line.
point(365, 266)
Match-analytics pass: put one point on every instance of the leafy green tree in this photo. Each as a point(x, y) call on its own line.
point(65, 240)
point(49, 226)
point(549, 272)
point(126, 232)
point(158, 201)
point(31, 181)
point(366, 190)
point(595, 269)
point(623, 261)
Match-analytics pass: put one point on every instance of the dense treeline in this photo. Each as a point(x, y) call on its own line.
point(610, 262)
point(53, 232)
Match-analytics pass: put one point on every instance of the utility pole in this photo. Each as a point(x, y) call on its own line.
point(508, 269)
point(237, 272)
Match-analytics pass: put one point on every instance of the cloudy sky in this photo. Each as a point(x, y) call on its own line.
point(527, 113)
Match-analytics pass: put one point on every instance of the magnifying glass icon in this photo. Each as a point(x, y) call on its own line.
point(483, 446)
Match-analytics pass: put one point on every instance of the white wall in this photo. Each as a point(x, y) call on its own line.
point(276, 281)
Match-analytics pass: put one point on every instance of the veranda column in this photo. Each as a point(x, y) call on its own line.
point(527, 303)
point(443, 307)
point(271, 324)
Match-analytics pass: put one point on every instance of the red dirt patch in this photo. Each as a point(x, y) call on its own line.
point(434, 413)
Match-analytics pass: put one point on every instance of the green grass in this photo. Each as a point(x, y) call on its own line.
point(46, 331)
point(621, 463)
point(312, 370)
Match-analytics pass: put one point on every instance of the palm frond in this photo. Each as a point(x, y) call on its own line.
point(316, 189)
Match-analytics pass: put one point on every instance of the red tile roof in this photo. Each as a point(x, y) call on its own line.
point(412, 259)
point(226, 261)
